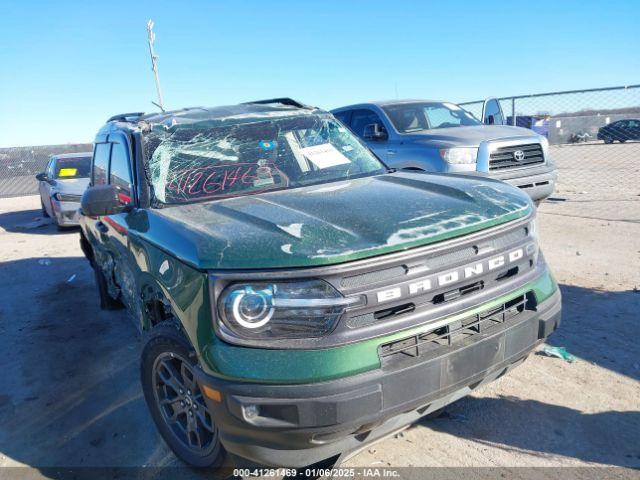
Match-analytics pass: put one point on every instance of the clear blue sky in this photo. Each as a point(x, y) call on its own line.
point(66, 66)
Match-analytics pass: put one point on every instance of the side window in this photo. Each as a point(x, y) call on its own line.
point(100, 163)
point(361, 118)
point(119, 172)
point(343, 116)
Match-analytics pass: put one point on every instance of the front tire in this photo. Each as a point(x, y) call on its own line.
point(608, 140)
point(175, 401)
point(45, 214)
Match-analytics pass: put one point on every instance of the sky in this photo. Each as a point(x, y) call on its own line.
point(65, 67)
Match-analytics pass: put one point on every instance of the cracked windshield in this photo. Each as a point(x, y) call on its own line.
point(196, 162)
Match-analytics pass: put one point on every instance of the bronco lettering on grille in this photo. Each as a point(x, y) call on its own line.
point(455, 276)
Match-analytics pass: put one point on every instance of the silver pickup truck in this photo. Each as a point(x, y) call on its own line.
point(443, 137)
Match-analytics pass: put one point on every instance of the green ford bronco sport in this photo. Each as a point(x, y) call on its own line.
point(298, 298)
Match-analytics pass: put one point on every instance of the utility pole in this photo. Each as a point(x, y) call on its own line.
point(151, 36)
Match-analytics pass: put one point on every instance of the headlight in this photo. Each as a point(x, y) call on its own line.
point(264, 310)
point(62, 197)
point(533, 234)
point(544, 142)
point(459, 155)
point(533, 229)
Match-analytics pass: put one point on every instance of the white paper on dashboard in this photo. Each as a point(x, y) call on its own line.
point(324, 156)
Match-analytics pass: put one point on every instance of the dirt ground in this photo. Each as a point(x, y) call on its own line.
point(598, 181)
point(70, 395)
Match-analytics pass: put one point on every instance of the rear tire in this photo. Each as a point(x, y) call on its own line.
point(107, 302)
point(174, 398)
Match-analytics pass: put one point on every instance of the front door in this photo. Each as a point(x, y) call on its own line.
point(115, 228)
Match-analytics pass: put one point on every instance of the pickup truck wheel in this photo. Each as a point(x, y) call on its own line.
point(175, 400)
point(608, 140)
point(107, 302)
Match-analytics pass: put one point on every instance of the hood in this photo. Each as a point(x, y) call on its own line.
point(72, 186)
point(332, 223)
point(469, 136)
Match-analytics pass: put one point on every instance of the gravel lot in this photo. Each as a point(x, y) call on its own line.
point(597, 180)
point(70, 396)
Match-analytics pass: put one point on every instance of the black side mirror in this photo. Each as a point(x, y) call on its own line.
point(375, 131)
point(101, 200)
point(42, 177)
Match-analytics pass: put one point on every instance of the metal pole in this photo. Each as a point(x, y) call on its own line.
point(154, 62)
point(513, 111)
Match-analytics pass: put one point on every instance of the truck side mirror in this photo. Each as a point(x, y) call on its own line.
point(42, 177)
point(101, 200)
point(375, 131)
point(492, 112)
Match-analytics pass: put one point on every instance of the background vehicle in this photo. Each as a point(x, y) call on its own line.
point(620, 131)
point(442, 137)
point(62, 184)
point(581, 137)
point(300, 299)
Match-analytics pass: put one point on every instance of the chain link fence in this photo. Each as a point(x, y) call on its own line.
point(19, 165)
point(594, 138)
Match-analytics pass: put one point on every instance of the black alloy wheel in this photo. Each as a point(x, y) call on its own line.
point(180, 401)
point(175, 400)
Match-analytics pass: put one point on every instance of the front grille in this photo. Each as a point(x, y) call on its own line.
point(456, 331)
point(436, 261)
point(504, 158)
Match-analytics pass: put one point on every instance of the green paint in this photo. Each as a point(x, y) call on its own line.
point(302, 366)
point(331, 223)
point(170, 251)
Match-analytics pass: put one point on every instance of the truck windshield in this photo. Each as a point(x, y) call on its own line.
point(198, 161)
point(413, 117)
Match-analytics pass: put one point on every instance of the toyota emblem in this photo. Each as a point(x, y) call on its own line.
point(518, 155)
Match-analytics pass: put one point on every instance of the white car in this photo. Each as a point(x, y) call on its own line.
point(61, 186)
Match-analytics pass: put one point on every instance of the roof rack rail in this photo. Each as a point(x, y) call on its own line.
point(284, 101)
point(126, 117)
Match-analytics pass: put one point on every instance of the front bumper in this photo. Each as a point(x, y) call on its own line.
point(538, 184)
point(299, 425)
point(66, 213)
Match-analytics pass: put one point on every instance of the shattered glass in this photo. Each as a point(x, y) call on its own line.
point(211, 159)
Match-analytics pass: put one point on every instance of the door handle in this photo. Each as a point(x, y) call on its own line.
point(102, 227)
point(391, 152)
